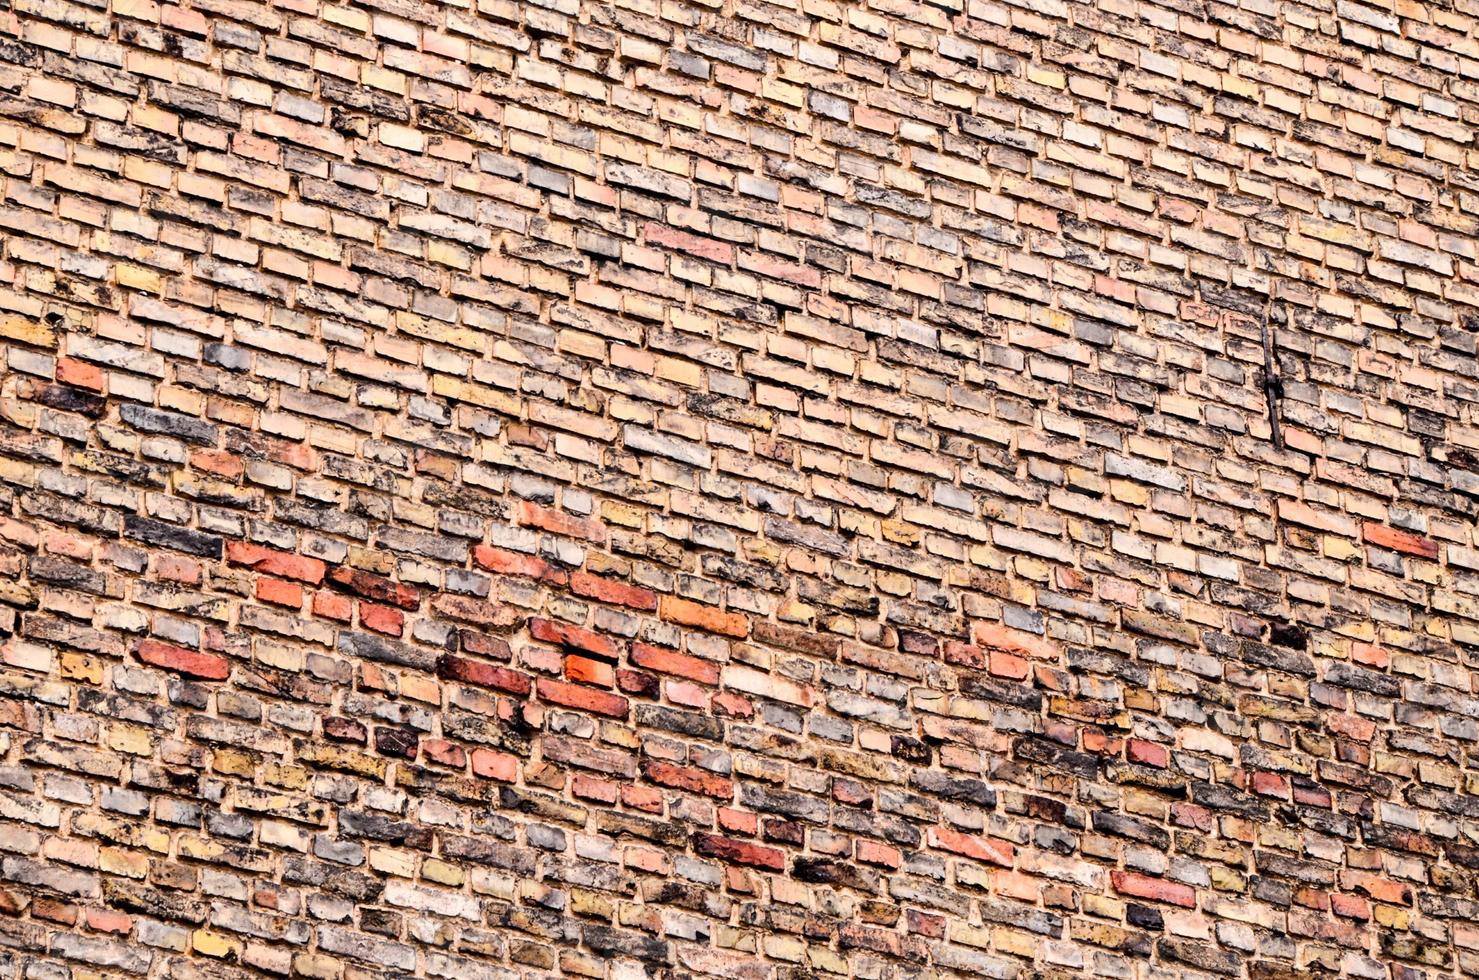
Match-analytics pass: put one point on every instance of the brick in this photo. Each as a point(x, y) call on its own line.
point(485, 675)
point(1013, 642)
point(1147, 753)
point(704, 248)
point(672, 662)
point(1155, 889)
point(686, 613)
point(280, 564)
point(558, 522)
point(279, 592)
point(332, 606)
point(583, 670)
point(688, 779)
point(381, 619)
point(495, 765)
point(987, 849)
point(375, 587)
point(571, 637)
point(581, 698)
point(1397, 540)
point(191, 663)
point(70, 371)
point(512, 563)
point(739, 852)
point(608, 590)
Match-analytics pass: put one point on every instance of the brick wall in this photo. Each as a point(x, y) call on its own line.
point(738, 489)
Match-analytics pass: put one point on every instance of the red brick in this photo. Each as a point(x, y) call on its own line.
point(559, 522)
point(1004, 639)
point(925, 924)
point(444, 753)
point(583, 670)
point(225, 465)
point(774, 268)
point(686, 613)
point(345, 730)
point(1306, 794)
point(376, 588)
point(1270, 784)
point(80, 374)
point(688, 779)
point(1394, 539)
point(1350, 907)
point(278, 563)
point(739, 852)
point(988, 849)
point(70, 545)
point(685, 693)
point(704, 248)
point(590, 788)
point(1029, 214)
point(583, 698)
point(734, 705)
point(1138, 885)
point(851, 792)
point(279, 592)
point(1321, 520)
point(1147, 753)
point(965, 654)
point(495, 765)
point(637, 683)
point(1371, 655)
point(331, 605)
point(1352, 727)
point(54, 910)
point(381, 619)
point(873, 852)
point(1008, 665)
point(513, 563)
point(484, 675)
point(107, 920)
point(610, 590)
point(737, 821)
point(205, 666)
point(173, 568)
point(1380, 889)
point(642, 798)
point(666, 661)
point(483, 645)
point(572, 637)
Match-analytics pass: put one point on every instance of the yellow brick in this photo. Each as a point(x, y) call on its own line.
point(27, 330)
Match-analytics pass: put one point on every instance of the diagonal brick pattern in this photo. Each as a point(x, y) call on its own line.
point(744, 489)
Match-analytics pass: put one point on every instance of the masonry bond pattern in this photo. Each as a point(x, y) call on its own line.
point(738, 489)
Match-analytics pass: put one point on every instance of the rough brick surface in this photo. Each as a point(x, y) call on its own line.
point(741, 489)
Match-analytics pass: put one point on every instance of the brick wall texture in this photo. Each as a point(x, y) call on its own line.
point(739, 489)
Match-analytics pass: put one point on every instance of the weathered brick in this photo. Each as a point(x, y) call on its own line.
point(686, 613)
point(575, 696)
point(191, 663)
point(739, 852)
point(608, 590)
point(1398, 540)
point(1156, 889)
point(270, 562)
